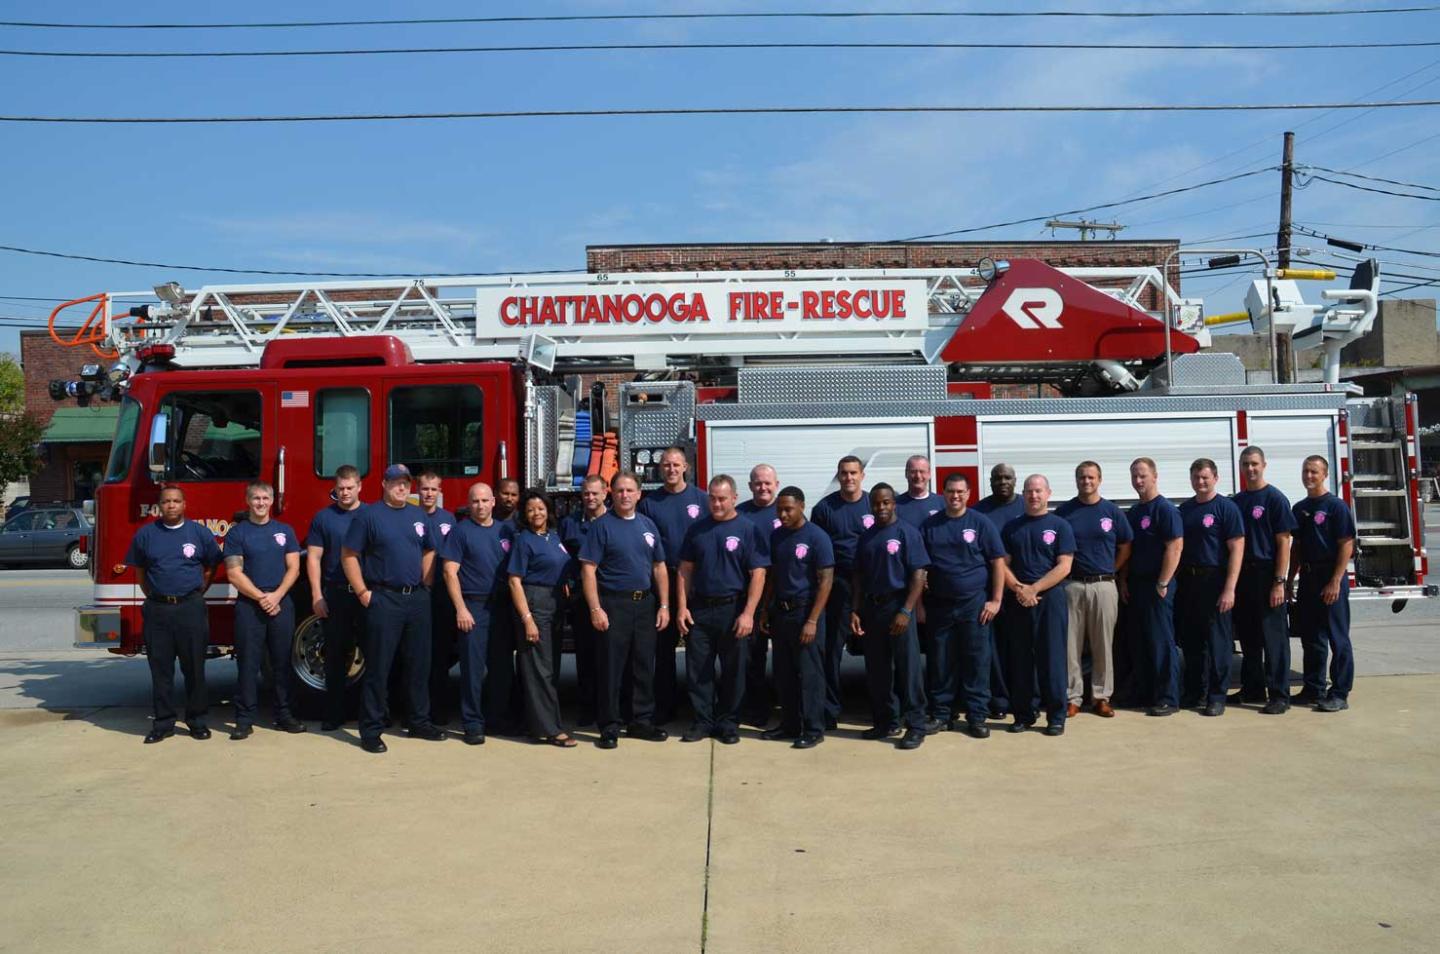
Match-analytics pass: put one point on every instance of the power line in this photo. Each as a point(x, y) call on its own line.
point(1306, 230)
point(792, 15)
point(1365, 188)
point(1356, 175)
point(664, 47)
point(715, 111)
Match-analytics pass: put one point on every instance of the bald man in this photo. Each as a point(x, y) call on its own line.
point(761, 509)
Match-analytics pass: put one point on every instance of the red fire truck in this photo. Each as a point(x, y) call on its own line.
point(485, 377)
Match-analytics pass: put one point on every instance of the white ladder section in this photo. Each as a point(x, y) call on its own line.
point(459, 318)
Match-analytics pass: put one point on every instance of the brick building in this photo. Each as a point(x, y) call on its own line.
point(77, 440)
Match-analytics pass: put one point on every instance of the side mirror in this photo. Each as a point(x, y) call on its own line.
point(159, 445)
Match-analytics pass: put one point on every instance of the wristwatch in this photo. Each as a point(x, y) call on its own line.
point(1279, 580)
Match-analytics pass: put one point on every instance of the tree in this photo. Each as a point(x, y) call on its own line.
point(12, 386)
point(19, 436)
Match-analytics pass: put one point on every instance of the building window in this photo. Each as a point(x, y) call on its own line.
point(342, 430)
point(439, 428)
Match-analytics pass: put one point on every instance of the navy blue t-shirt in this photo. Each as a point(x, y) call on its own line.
point(263, 547)
point(573, 531)
point(540, 560)
point(844, 520)
point(327, 531)
point(1265, 513)
point(1099, 530)
point(482, 553)
point(1154, 524)
point(440, 523)
point(1322, 523)
point(724, 552)
point(886, 556)
point(624, 551)
point(674, 515)
point(1001, 513)
point(764, 517)
point(1035, 544)
point(796, 557)
point(391, 542)
point(916, 510)
point(1207, 527)
point(173, 558)
point(960, 549)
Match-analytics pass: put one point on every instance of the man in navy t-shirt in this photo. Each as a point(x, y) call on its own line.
point(1001, 506)
point(439, 522)
point(674, 508)
point(1040, 549)
point(966, 583)
point(887, 581)
point(262, 562)
point(332, 598)
point(797, 588)
point(1324, 544)
point(844, 515)
point(174, 561)
point(1147, 585)
point(1260, 613)
point(387, 556)
point(625, 581)
point(574, 529)
point(917, 504)
point(1102, 545)
point(1209, 567)
point(764, 484)
point(722, 576)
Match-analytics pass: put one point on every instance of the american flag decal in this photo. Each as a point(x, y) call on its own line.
point(294, 398)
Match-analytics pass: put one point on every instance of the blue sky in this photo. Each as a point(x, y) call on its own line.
point(529, 194)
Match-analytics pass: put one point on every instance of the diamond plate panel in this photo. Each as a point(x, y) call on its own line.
point(792, 386)
point(655, 423)
point(1217, 369)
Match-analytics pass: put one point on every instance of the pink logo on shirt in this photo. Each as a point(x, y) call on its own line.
point(280, 539)
point(562, 548)
point(650, 539)
point(732, 544)
point(444, 529)
point(1257, 511)
point(1144, 523)
point(1208, 520)
point(801, 550)
point(1106, 523)
point(775, 524)
point(505, 545)
point(693, 510)
point(1048, 536)
point(969, 535)
point(419, 529)
point(892, 547)
point(189, 550)
point(867, 521)
point(1319, 517)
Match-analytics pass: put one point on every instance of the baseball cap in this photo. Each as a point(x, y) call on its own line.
point(397, 472)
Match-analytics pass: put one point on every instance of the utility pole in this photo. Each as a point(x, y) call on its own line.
point(1087, 229)
point(1284, 352)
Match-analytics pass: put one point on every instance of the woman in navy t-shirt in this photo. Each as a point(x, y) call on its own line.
point(539, 581)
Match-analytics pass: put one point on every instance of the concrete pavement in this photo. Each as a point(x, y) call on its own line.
point(1306, 832)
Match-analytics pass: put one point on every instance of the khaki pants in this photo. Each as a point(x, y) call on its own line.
point(1094, 608)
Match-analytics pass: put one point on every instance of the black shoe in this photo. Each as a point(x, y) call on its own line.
point(912, 740)
point(729, 737)
point(374, 745)
point(331, 726)
point(831, 724)
point(933, 726)
point(1213, 709)
point(1332, 704)
point(241, 733)
point(999, 713)
point(696, 733)
point(608, 740)
point(647, 733)
point(881, 732)
point(1247, 698)
point(779, 734)
point(199, 732)
point(158, 735)
point(976, 730)
point(807, 741)
point(757, 720)
point(293, 726)
point(1163, 709)
point(474, 737)
point(1305, 697)
point(427, 732)
point(439, 720)
point(1275, 707)
point(1018, 726)
point(1055, 728)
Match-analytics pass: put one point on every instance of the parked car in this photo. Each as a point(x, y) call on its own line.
point(45, 535)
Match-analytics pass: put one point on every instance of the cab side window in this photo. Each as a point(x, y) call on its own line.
point(342, 430)
point(438, 427)
point(214, 435)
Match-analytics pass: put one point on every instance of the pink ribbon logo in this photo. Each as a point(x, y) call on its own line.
point(189, 550)
point(650, 539)
point(732, 544)
point(280, 539)
point(1319, 517)
point(419, 529)
point(1144, 523)
point(1048, 536)
point(693, 510)
point(801, 550)
point(505, 545)
point(892, 547)
point(1106, 523)
point(1257, 511)
point(867, 521)
point(1208, 520)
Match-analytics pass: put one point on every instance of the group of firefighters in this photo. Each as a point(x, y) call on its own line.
point(964, 612)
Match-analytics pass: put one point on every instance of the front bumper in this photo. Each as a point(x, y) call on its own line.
point(97, 627)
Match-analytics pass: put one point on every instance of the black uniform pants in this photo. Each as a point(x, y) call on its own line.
point(759, 699)
point(1325, 630)
point(666, 689)
point(837, 630)
point(958, 664)
point(490, 613)
point(177, 631)
point(1035, 639)
point(501, 696)
point(712, 639)
point(397, 623)
point(1206, 637)
point(894, 673)
point(799, 670)
point(258, 635)
point(1264, 634)
point(627, 647)
point(344, 630)
point(1155, 660)
point(582, 637)
point(442, 649)
point(539, 663)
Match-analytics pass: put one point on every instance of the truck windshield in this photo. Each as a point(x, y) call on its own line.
point(122, 449)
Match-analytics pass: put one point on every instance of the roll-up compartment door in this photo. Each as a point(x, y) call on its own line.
point(1287, 439)
point(1053, 447)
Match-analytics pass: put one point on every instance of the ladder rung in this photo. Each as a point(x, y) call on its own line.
point(1384, 541)
point(1373, 492)
point(1367, 525)
point(1374, 445)
point(1370, 478)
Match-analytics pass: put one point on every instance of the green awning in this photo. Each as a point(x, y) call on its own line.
point(77, 425)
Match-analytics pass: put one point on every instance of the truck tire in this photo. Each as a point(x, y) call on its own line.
point(307, 662)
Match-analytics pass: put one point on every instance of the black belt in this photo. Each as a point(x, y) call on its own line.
point(339, 585)
point(1327, 567)
point(402, 590)
point(799, 602)
point(1198, 570)
point(635, 596)
point(1092, 578)
point(711, 601)
point(879, 599)
point(172, 600)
